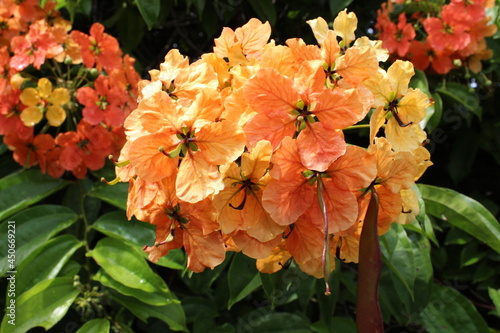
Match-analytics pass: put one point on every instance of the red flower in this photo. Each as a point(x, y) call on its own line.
point(396, 38)
point(87, 148)
point(30, 151)
point(100, 48)
point(102, 103)
point(445, 34)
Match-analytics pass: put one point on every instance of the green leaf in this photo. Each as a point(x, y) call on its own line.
point(200, 283)
point(338, 5)
point(397, 252)
point(46, 262)
point(261, 320)
point(33, 227)
point(149, 10)
point(155, 298)
point(449, 311)
point(495, 297)
point(20, 190)
point(116, 225)
point(461, 97)
point(171, 314)
point(462, 212)
point(434, 121)
point(243, 278)
point(462, 156)
point(137, 234)
point(265, 10)
point(126, 265)
point(98, 325)
point(43, 305)
point(471, 254)
point(115, 195)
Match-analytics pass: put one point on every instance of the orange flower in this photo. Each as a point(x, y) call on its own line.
point(292, 192)
point(192, 135)
point(303, 109)
point(183, 224)
point(240, 203)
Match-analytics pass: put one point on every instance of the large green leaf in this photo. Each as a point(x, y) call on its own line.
point(449, 311)
point(495, 297)
point(397, 253)
point(46, 262)
point(19, 190)
point(98, 325)
point(33, 227)
point(43, 305)
point(126, 265)
point(265, 10)
point(461, 97)
point(243, 278)
point(157, 298)
point(149, 10)
point(462, 212)
point(138, 234)
point(171, 314)
point(112, 194)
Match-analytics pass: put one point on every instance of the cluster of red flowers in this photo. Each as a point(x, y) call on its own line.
point(63, 94)
point(437, 37)
point(243, 150)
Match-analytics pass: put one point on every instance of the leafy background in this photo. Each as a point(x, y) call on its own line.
point(440, 272)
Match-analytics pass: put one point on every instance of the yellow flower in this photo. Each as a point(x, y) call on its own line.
point(44, 99)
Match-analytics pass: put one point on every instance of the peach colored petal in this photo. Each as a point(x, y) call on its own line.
point(271, 93)
point(253, 36)
point(149, 162)
point(272, 129)
point(197, 179)
point(256, 163)
point(330, 50)
point(256, 220)
point(285, 200)
point(318, 146)
point(203, 250)
point(255, 248)
point(286, 162)
point(279, 57)
point(220, 142)
point(357, 64)
point(339, 108)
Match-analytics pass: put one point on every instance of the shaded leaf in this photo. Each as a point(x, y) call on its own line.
point(33, 227)
point(98, 325)
point(115, 195)
point(43, 305)
point(20, 190)
point(449, 311)
point(276, 322)
point(461, 96)
point(46, 262)
point(171, 314)
point(243, 278)
point(265, 10)
point(149, 10)
point(137, 234)
point(462, 212)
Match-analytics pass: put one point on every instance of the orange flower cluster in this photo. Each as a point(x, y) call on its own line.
point(437, 37)
point(63, 94)
point(243, 150)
